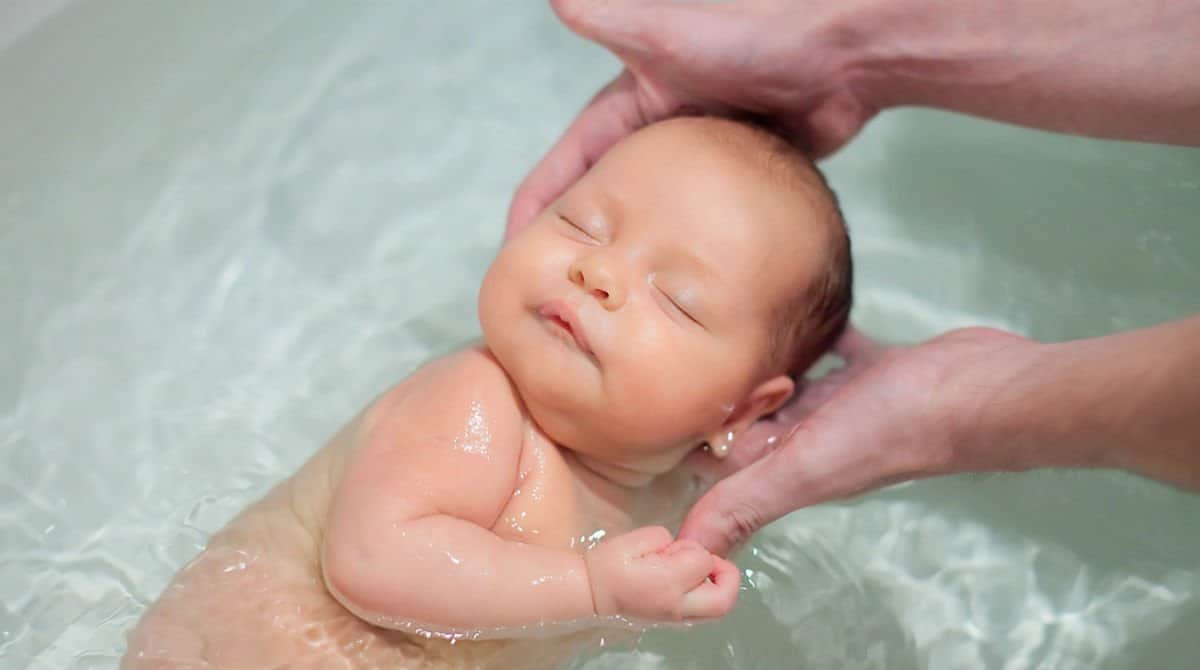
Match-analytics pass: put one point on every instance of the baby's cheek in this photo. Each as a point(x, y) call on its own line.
point(657, 405)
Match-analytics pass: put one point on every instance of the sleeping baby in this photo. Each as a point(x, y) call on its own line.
point(504, 506)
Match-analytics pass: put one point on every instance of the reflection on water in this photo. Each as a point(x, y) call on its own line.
point(225, 226)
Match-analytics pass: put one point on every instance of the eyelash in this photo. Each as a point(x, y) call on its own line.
point(680, 308)
point(577, 227)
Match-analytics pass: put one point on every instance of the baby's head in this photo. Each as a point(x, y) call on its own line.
point(666, 299)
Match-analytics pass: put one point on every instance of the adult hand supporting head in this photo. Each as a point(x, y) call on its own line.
point(779, 60)
point(821, 69)
point(887, 415)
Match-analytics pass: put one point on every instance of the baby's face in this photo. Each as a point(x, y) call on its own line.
point(635, 314)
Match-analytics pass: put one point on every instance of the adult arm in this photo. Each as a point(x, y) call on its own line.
point(971, 400)
point(822, 69)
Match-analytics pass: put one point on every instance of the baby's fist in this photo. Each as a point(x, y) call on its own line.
point(646, 574)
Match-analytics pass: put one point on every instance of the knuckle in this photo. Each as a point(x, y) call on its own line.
point(741, 521)
point(659, 534)
point(689, 545)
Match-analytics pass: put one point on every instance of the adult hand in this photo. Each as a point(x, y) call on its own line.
point(686, 58)
point(889, 414)
point(821, 69)
point(972, 400)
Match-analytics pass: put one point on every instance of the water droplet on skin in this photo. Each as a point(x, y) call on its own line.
point(475, 438)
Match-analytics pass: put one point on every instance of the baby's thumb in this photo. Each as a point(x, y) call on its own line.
point(632, 29)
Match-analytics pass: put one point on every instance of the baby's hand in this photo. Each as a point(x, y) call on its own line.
point(646, 574)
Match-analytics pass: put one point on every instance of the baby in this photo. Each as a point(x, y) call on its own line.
point(496, 509)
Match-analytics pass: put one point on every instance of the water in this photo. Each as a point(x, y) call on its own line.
point(225, 226)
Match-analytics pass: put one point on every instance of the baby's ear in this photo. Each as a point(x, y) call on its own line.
point(763, 400)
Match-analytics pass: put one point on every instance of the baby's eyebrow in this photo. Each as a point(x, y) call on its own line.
point(700, 266)
point(610, 208)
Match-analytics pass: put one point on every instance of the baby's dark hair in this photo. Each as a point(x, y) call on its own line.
point(808, 325)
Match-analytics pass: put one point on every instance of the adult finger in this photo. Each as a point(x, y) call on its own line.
point(610, 116)
point(735, 508)
point(811, 466)
point(656, 27)
point(829, 125)
point(853, 345)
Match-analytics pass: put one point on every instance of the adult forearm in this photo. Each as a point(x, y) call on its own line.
point(1107, 68)
point(1128, 401)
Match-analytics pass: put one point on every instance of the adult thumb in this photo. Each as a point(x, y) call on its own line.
point(733, 510)
point(631, 29)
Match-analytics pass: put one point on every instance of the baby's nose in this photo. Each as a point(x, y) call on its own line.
point(597, 280)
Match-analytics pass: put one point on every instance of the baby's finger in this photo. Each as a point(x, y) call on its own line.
point(681, 545)
point(716, 596)
point(690, 567)
point(645, 540)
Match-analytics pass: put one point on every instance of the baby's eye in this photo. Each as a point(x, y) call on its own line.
point(677, 305)
point(577, 230)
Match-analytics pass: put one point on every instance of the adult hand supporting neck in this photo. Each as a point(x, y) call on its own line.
point(971, 400)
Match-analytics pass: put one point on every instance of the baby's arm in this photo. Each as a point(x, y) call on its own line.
point(408, 544)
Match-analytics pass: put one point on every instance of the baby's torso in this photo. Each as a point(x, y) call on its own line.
point(559, 503)
point(257, 593)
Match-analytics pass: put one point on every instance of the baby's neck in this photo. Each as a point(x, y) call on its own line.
point(614, 474)
point(640, 498)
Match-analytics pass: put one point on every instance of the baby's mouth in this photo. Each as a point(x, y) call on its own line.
point(559, 321)
point(560, 315)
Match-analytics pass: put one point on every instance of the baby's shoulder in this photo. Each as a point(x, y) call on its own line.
point(448, 439)
point(468, 379)
point(463, 401)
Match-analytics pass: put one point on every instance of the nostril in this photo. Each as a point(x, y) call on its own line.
point(600, 294)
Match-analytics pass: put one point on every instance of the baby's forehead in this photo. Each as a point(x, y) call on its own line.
point(735, 196)
point(732, 142)
point(708, 162)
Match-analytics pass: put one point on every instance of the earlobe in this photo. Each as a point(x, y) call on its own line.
point(720, 444)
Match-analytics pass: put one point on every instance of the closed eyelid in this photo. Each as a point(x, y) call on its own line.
point(583, 225)
point(679, 303)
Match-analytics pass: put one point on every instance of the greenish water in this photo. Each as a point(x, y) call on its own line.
point(225, 226)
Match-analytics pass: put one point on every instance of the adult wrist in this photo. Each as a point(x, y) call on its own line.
point(1039, 409)
point(893, 49)
point(1006, 409)
point(858, 31)
point(947, 55)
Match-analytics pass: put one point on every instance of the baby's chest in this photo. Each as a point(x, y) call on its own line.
point(550, 508)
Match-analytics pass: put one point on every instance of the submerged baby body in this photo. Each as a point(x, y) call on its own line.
point(519, 489)
point(257, 597)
